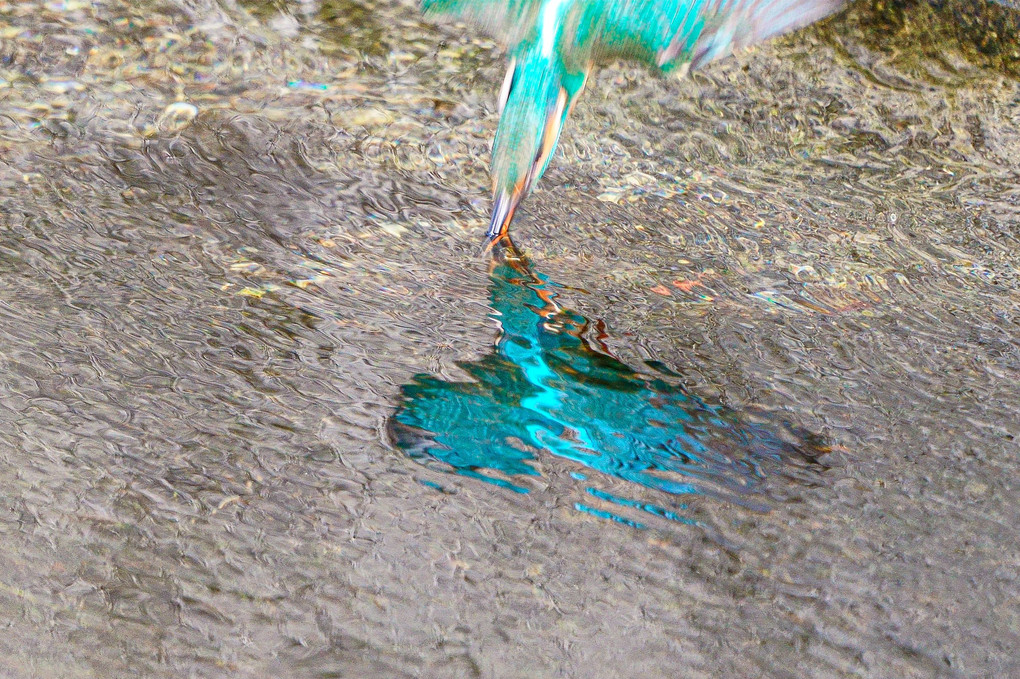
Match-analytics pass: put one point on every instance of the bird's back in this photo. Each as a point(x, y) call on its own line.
point(667, 34)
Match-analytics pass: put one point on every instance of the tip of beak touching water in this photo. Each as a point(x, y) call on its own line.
point(504, 205)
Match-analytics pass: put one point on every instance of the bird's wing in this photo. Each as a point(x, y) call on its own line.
point(670, 34)
point(508, 20)
point(662, 33)
point(733, 24)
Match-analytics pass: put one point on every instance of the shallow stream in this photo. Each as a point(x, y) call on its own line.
point(752, 408)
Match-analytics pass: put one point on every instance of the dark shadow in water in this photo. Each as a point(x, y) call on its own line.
point(548, 388)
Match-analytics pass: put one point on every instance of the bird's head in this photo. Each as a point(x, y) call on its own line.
point(536, 97)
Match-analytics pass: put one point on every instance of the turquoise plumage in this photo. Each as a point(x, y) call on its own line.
point(553, 45)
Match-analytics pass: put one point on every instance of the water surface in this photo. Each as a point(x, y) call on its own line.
point(547, 388)
point(237, 239)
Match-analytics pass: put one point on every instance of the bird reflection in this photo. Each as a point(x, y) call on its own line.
point(548, 388)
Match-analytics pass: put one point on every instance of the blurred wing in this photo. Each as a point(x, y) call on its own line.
point(732, 24)
point(506, 20)
point(671, 34)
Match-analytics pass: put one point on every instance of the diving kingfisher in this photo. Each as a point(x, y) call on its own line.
point(553, 45)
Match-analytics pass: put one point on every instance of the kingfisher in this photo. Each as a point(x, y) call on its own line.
point(553, 45)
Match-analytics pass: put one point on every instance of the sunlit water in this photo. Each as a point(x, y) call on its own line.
point(239, 241)
point(547, 389)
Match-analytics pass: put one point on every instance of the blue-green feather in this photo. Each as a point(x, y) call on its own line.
point(643, 30)
point(554, 44)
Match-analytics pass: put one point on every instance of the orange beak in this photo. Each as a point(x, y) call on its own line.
point(503, 207)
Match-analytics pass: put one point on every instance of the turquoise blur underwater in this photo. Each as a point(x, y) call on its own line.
point(548, 389)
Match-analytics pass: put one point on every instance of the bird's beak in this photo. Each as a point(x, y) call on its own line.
point(505, 202)
point(504, 205)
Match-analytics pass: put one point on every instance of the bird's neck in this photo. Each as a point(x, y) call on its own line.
point(550, 24)
point(555, 34)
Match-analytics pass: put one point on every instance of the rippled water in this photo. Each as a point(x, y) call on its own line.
point(547, 389)
point(239, 246)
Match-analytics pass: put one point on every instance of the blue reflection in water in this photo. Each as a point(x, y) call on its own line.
point(547, 388)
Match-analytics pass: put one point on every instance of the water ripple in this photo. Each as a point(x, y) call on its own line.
point(551, 387)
